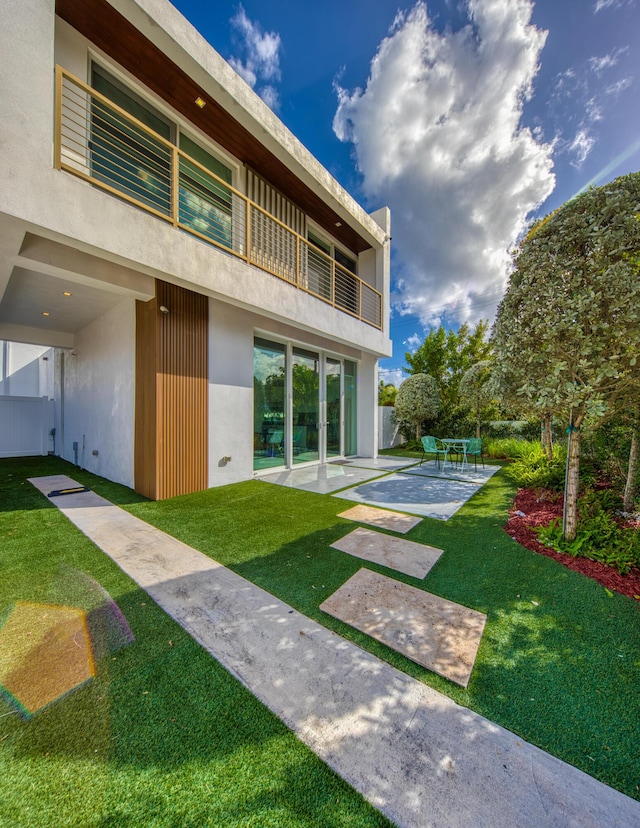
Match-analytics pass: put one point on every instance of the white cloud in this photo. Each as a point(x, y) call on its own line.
point(259, 65)
point(413, 342)
point(599, 64)
point(580, 96)
point(618, 86)
point(392, 376)
point(612, 4)
point(438, 138)
point(581, 146)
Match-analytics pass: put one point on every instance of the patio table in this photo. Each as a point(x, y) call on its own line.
point(457, 444)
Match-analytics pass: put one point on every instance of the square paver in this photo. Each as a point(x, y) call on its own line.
point(437, 634)
point(322, 479)
point(468, 474)
point(416, 494)
point(383, 463)
point(414, 559)
point(383, 518)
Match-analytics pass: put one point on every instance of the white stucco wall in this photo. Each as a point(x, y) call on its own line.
point(368, 406)
point(26, 370)
point(230, 394)
point(99, 395)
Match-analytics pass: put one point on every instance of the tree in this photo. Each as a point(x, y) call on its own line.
point(386, 393)
point(568, 328)
point(445, 356)
point(418, 400)
point(476, 390)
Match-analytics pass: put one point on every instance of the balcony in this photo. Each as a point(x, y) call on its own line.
point(100, 142)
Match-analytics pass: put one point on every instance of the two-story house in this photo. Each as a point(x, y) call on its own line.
point(216, 301)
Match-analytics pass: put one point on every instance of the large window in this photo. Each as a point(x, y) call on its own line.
point(134, 162)
point(346, 287)
point(305, 381)
point(124, 155)
point(350, 408)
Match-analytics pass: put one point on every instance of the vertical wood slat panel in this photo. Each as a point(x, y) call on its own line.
point(182, 388)
point(145, 399)
point(179, 391)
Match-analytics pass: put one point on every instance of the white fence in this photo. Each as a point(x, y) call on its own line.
point(388, 436)
point(25, 423)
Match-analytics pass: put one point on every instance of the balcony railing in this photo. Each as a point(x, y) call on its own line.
point(100, 142)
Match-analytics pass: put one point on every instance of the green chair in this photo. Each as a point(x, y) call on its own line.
point(474, 449)
point(430, 446)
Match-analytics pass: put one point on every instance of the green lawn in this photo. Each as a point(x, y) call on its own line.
point(559, 662)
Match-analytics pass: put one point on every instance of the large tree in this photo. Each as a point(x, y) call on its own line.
point(446, 356)
point(476, 390)
point(567, 332)
point(386, 393)
point(417, 400)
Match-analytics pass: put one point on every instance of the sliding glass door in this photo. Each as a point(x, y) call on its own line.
point(333, 402)
point(304, 406)
point(306, 425)
point(269, 398)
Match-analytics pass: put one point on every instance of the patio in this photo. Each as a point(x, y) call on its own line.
point(391, 483)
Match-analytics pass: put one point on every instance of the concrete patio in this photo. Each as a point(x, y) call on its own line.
point(391, 483)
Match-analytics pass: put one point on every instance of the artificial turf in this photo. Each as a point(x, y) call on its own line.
point(559, 662)
point(163, 735)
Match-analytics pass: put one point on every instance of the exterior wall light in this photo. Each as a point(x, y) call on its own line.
point(164, 309)
point(200, 102)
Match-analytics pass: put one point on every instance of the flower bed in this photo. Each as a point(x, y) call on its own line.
point(533, 508)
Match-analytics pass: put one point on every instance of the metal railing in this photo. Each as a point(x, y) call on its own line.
point(100, 142)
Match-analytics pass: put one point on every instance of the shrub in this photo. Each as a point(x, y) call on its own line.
point(599, 536)
point(509, 447)
point(532, 469)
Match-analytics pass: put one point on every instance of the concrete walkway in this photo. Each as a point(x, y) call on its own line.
point(413, 753)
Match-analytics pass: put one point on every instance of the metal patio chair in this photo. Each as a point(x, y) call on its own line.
point(474, 449)
point(430, 446)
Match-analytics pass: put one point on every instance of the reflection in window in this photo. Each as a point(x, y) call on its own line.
point(123, 154)
point(305, 375)
point(204, 203)
point(350, 408)
point(269, 376)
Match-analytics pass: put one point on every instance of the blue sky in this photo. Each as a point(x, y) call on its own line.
point(468, 119)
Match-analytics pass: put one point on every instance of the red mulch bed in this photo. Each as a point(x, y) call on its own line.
point(540, 508)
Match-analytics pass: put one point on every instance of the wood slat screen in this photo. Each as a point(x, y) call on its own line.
point(172, 376)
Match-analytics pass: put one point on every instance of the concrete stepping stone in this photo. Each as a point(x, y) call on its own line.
point(438, 634)
point(405, 556)
point(383, 518)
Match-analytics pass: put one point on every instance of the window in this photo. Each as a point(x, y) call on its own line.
point(204, 203)
point(136, 163)
point(346, 287)
point(125, 156)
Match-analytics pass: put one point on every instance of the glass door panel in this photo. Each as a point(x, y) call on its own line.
point(333, 373)
point(269, 385)
point(305, 380)
point(350, 408)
